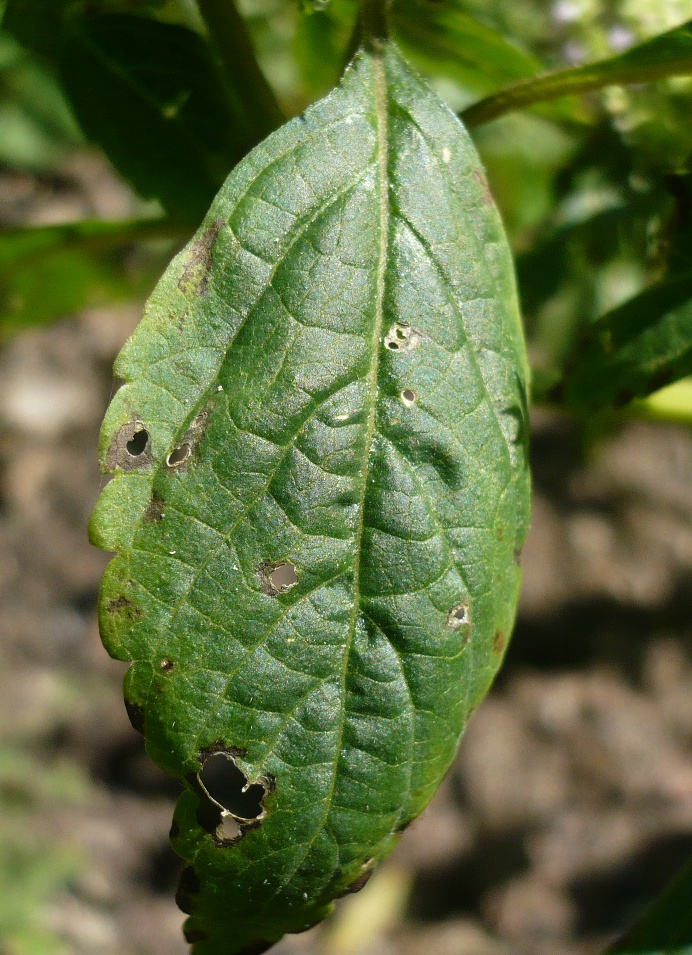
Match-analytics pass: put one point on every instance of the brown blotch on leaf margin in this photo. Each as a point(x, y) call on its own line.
point(195, 276)
point(499, 641)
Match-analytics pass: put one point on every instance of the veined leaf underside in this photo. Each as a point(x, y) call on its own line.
point(319, 495)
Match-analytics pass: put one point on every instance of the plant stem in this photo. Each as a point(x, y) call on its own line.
point(621, 70)
point(229, 35)
point(374, 21)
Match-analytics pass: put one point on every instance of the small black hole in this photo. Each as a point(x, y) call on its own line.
point(137, 443)
point(225, 782)
point(178, 455)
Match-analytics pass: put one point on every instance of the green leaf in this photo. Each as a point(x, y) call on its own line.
point(35, 23)
point(48, 272)
point(635, 349)
point(665, 928)
point(442, 39)
point(320, 491)
point(668, 54)
point(150, 95)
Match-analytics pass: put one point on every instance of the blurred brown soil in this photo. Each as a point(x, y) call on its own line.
point(570, 803)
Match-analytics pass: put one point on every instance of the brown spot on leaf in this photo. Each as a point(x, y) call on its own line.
point(195, 276)
point(155, 508)
point(167, 665)
point(358, 884)
point(485, 188)
point(130, 449)
point(499, 642)
point(123, 606)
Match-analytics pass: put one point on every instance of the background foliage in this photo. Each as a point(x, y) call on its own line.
point(598, 186)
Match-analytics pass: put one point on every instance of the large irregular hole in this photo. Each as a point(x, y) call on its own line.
point(277, 578)
point(228, 787)
point(138, 443)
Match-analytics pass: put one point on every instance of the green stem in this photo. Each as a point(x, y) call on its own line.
point(577, 79)
point(374, 21)
point(229, 35)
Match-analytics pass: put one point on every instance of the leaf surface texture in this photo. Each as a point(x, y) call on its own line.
point(320, 490)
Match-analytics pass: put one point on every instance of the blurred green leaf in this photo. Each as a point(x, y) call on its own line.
point(665, 928)
point(635, 349)
point(669, 54)
point(35, 23)
point(442, 39)
point(52, 271)
point(150, 95)
point(36, 126)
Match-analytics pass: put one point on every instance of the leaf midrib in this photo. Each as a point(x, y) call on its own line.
point(381, 114)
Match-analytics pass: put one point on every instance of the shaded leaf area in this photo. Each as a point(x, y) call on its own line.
point(319, 494)
point(50, 271)
point(665, 928)
point(634, 350)
point(669, 54)
point(442, 38)
point(151, 94)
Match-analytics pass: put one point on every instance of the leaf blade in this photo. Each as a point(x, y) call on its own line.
point(634, 350)
point(358, 415)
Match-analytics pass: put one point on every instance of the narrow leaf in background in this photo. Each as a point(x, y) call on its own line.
point(669, 54)
point(635, 349)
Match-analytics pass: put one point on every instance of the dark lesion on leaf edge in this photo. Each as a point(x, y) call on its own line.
point(135, 714)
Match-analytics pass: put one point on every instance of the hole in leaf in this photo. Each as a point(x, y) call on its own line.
point(137, 443)
point(167, 665)
point(408, 397)
point(277, 578)
point(178, 455)
point(458, 616)
point(402, 338)
point(228, 787)
point(228, 830)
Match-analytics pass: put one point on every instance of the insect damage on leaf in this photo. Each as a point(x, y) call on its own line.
point(319, 488)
